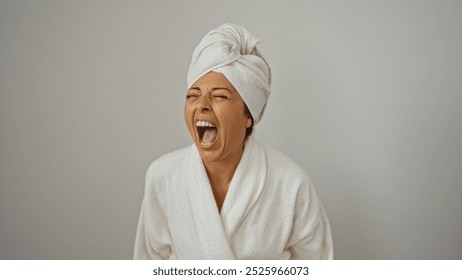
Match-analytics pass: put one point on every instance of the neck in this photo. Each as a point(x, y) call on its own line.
point(220, 173)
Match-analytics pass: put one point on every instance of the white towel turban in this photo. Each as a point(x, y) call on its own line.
point(231, 50)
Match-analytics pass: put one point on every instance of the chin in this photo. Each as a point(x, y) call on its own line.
point(211, 154)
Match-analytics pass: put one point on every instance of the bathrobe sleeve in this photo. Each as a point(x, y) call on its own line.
point(152, 237)
point(311, 234)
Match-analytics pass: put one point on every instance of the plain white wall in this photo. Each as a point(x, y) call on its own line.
point(366, 97)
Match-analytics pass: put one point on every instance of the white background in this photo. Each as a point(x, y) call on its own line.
point(367, 97)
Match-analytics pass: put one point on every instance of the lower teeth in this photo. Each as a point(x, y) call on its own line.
point(206, 144)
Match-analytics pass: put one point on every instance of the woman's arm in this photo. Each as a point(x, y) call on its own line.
point(311, 236)
point(152, 236)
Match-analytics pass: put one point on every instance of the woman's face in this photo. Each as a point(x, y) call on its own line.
point(215, 116)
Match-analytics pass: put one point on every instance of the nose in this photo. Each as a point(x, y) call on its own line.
point(204, 104)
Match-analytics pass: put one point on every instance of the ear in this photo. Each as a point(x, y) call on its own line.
point(248, 122)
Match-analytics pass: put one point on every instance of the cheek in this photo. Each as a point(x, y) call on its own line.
point(188, 115)
point(233, 121)
point(188, 112)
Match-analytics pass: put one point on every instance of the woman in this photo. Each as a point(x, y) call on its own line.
point(227, 196)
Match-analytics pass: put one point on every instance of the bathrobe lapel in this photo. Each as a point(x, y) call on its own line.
point(213, 242)
point(245, 188)
point(217, 230)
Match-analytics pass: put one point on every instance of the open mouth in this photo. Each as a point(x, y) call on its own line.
point(207, 132)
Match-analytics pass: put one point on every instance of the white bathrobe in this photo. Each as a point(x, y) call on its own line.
point(271, 210)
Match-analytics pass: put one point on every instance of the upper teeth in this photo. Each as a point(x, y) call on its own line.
point(204, 123)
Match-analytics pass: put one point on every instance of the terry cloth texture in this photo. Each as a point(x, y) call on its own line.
point(271, 210)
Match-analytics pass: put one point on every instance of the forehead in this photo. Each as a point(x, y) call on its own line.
point(213, 80)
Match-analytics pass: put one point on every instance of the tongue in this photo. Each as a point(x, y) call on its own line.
point(209, 135)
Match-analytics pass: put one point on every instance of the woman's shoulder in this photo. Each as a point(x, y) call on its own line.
point(167, 164)
point(280, 164)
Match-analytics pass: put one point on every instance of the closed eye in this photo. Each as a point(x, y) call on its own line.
point(221, 97)
point(191, 95)
point(193, 92)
